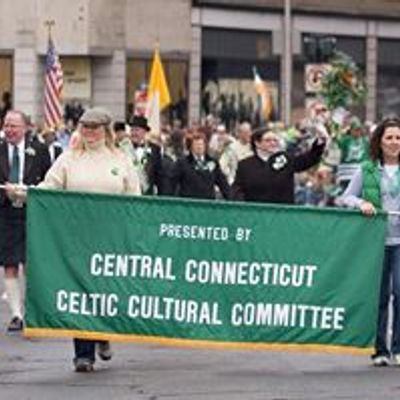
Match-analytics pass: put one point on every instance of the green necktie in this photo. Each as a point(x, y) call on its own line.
point(14, 171)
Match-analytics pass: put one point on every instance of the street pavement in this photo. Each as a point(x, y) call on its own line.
point(42, 369)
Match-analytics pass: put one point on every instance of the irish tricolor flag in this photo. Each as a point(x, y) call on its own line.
point(264, 96)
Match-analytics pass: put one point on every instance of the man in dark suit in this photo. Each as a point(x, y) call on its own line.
point(23, 161)
point(146, 157)
point(197, 174)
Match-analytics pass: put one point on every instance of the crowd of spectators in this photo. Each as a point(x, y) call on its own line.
point(318, 186)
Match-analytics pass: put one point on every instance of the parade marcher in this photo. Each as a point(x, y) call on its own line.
point(50, 140)
point(146, 156)
point(236, 150)
point(228, 160)
point(122, 136)
point(242, 146)
point(175, 144)
point(23, 161)
point(172, 148)
point(63, 135)
point(218, 141)
point(376, 186)
point(353, 147)
point(197, 174)
point(221, 148)
point(73, 111)
point(268, 175)
point(94, 165)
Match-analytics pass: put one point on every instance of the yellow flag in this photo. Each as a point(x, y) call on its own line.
point(157, 94)
point(158, 83)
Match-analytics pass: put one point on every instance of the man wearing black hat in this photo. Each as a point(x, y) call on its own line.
point(146, 156)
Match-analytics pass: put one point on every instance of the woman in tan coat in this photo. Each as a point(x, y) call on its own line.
point(93, 165)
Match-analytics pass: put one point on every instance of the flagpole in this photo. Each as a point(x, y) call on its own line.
point(288, 61)
point(49, 24)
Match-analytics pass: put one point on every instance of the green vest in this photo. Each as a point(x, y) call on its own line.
point(371, 186)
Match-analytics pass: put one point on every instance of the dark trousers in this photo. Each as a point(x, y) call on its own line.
point(12, 235)
point(85, 349)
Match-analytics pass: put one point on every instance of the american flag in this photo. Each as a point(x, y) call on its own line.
point(53, 88)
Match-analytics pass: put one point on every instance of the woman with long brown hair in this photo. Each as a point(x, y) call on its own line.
point(376, 186)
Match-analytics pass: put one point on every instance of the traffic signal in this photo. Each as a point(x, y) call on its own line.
point(319, 48)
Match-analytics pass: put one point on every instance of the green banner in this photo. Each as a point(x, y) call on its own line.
point(201, 273)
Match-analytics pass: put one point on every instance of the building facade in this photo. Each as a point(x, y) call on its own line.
point(209, 48)
point(105, 49)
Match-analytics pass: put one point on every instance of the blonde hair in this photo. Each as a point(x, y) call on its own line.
point(78, 144)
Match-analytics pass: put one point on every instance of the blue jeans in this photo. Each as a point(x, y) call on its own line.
point(390, 285)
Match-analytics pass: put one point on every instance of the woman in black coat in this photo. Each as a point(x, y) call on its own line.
point(197, 174)
point(268, 175)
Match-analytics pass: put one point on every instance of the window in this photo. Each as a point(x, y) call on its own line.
point(5, 85)
point(388, 90)
point(228, 90)
point(355, 47)
point(77, 78)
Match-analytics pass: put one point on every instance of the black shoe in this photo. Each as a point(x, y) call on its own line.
point(83, 365)
point(104, 350)
point(15, 325)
